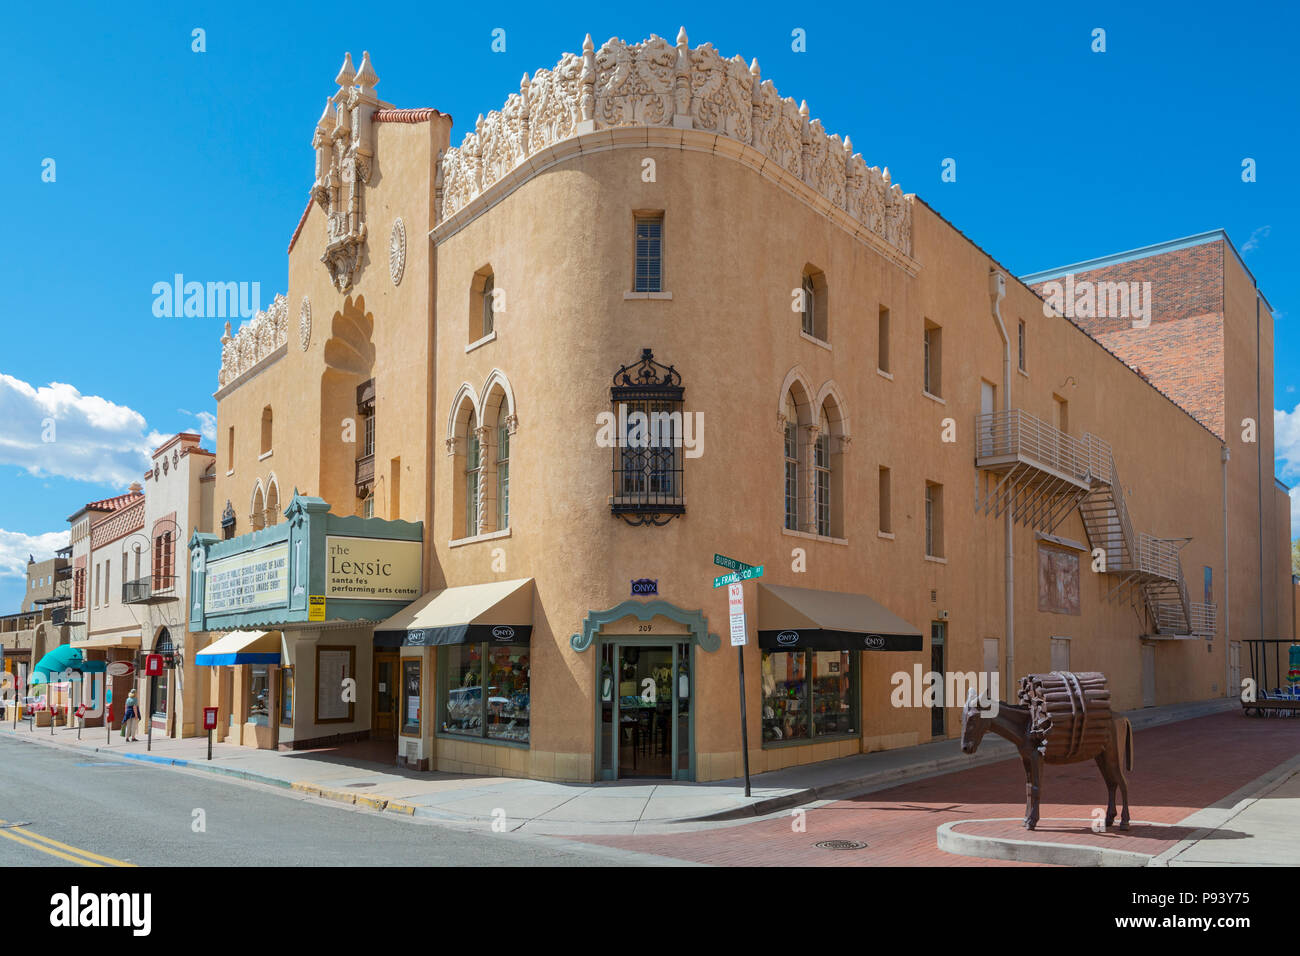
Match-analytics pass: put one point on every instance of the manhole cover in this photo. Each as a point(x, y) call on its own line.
point(840, 845)
point(359, 785)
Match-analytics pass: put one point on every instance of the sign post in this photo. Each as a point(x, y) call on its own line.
point(740, 571)
point(210, 725)
point(81, 719)
point(153, 668)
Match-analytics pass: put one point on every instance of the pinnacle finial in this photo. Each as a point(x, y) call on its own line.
point(347, 76)
point(753, 66)
point(886, 176)
point(848, 145)
point(803, 109)
point(681, 37)
point(587, 45)
point(366, 76)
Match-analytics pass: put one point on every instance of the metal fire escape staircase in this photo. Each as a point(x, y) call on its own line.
point(1040, 474)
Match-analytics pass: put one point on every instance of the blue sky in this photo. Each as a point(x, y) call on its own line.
point(171, 161)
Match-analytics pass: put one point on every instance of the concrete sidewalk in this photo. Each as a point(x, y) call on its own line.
point(624, 807)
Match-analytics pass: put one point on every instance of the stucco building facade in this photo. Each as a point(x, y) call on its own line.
point(835, 384)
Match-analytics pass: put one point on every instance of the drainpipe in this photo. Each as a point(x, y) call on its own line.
point(1227, 638)
point(997, 292)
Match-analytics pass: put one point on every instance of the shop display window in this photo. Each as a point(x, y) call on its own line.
point(809, 695)
point(259, 695)
point(486, 692)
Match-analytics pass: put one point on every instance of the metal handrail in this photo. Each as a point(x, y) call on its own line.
point(1017, 432)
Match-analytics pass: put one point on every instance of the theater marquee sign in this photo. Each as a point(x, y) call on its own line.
point(372, 569)
point(245, 582)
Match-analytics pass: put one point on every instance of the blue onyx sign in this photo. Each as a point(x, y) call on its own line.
point(643, 586)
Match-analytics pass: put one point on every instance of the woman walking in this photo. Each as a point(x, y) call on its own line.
point(131, 717)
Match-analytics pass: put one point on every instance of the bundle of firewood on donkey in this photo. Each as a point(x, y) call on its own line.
point(1069, 713)
point(1063, 718)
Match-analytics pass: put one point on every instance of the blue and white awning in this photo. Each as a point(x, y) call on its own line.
point(241, 647)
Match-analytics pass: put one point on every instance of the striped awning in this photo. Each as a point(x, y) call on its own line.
point(241, 647)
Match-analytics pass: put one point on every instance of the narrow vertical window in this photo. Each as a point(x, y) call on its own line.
point(230, 448)
point(370, 435)
point(503, 478)
point(886, 520)
point(1020, 338)
point(933, 359)
point(472, 465)
point(933, 520)
point(791, 470)
point(882, 344)
point(489, 317)
point(809, 304)
point(822, 471)
point(266, 430)
point(649, 254)
point(929, 519)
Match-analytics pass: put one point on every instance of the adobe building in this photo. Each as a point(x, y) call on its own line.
point(521, 391)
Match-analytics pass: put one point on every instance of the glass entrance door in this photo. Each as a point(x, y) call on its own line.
point(644, 693)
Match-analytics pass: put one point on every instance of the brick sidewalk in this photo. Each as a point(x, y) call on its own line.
point(1178, 770)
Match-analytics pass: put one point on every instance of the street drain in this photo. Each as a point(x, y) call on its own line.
point(840, 845)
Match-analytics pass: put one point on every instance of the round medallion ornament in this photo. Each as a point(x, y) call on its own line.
point(397, 251)
point(304, 324)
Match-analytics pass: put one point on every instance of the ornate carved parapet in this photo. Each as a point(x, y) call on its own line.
point(656, 83)
point(256, 340)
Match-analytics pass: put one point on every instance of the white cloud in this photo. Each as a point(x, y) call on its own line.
point(1256, 237)
point(16, 547)
point(207, 423)
point(55, 430)
point(1286, 442)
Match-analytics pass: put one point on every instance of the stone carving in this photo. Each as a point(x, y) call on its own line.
point(304, 324)
point(344, 147)
point(655, 83)
point(397, 251)
point(256, 339)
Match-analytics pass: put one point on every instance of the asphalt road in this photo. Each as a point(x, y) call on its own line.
point(78, 809)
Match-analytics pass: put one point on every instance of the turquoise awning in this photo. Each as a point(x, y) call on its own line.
point(63, 658)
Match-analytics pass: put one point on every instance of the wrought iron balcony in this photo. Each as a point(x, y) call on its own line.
point(365, 474)
point(151, 590)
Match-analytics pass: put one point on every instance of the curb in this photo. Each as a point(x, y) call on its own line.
point(1031, 851)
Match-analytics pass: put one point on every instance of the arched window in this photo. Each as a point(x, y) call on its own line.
point(826, 453)
point(498, 421)
point(158, 685)
point(272, 513)
point(256, 516)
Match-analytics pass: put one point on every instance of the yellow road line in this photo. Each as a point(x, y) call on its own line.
point(45, 849)
point(102, 860)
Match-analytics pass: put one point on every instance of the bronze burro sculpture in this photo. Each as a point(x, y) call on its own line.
point(1065, 718)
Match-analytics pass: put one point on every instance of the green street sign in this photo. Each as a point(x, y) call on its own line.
point(733, 577)
point(723, 561)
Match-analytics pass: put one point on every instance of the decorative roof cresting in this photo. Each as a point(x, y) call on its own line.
point(656, 83)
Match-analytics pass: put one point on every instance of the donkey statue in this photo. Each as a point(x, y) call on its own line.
point(1013, 723)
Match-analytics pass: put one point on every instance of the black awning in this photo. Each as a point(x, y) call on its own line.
point(821, 639)
point(503, 634)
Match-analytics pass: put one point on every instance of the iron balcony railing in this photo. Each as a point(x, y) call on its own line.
point(137, 592)
point(365, 473)
point(1018, 434)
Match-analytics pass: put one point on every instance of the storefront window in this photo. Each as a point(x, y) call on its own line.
point(411, 697)
point(508, 704)
point(259, 695)
point(286, 696)
point(809, 694)
point(463, 707)
point(486, 693)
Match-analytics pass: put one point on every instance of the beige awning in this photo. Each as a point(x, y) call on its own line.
point(109, 640)
point(803, 618)
point(500, 612)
